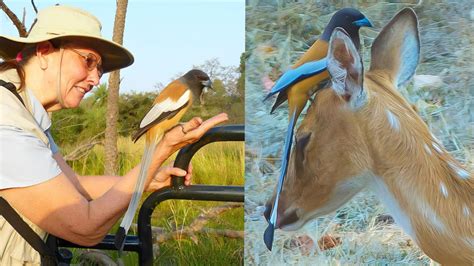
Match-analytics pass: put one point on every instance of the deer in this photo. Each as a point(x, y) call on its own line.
point(361, 132)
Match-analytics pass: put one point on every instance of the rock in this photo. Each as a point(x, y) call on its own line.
point(307, 245)
point(327, 242)
point(304, 243)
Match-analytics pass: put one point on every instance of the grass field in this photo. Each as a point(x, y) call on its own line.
point(217, 164)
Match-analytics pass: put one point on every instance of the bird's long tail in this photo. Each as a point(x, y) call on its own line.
point(268, 234)
point(137, 194)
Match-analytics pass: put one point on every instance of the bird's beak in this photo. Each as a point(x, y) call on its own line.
point(208, 84)
point(365, 22)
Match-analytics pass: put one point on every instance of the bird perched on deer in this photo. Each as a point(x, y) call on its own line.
point(168, 108)
point(307, 75)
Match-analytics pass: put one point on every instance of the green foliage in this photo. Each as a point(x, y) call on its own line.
point(132, 108)
point(67, 125)
point(99, 95)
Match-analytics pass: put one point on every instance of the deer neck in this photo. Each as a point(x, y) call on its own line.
point(430, 194)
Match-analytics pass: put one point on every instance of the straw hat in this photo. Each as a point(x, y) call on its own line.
point(70, 23)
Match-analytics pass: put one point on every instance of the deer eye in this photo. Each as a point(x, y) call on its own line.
point(301, 145)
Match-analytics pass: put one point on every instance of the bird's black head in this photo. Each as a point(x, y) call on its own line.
point(197, 80)
point(350, 19)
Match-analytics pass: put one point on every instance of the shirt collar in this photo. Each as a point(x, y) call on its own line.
point(38, 111)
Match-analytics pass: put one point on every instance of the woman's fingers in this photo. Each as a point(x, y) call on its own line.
point(163, 177)
point(165, 173)
point(192, 124)
point(190, 168)
point(189, 132)
point(206, 125)
point(175, 171)
point(192, 130)
point(187, 178)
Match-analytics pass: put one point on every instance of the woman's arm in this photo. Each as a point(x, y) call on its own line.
point(59, 208)
point(93, 187)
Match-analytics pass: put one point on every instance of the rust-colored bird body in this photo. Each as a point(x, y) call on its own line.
point(168, 109)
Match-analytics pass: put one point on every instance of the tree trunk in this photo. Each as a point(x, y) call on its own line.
point(111, 152)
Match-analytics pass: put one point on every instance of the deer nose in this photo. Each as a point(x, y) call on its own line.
point(286, 218)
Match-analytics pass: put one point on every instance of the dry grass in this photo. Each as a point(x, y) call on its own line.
point(277, 34)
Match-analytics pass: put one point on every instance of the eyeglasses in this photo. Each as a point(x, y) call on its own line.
point(91, 61)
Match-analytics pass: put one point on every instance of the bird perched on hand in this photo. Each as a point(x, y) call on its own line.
point(168, 108)
point(307, 75)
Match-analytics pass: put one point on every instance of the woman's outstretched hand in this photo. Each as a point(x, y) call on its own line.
point(190, 132)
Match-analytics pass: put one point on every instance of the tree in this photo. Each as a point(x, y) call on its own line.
point(111, 151)
point(227, 74)
point(19, 25)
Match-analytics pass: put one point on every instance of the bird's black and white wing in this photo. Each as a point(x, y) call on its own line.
point(161, 110)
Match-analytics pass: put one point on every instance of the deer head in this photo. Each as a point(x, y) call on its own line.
point(338, 148)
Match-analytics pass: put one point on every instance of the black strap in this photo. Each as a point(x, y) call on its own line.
point(48, 256)
point(12, 89)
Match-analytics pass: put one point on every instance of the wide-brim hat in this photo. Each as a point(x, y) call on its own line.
point(69, 23)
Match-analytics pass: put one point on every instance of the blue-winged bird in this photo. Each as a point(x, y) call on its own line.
point(297, 85)
point(168, 108)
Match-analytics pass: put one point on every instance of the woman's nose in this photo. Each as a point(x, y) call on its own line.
point(94, 77)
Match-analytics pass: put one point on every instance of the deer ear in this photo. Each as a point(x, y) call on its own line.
point(396, 49)
point(346, 68)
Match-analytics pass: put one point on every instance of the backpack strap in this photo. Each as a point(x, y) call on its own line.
point(13, 90)
point(48, 257)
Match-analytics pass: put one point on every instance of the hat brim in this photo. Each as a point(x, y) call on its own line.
point(114, 56)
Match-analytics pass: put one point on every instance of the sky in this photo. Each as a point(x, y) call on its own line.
point(166, 37)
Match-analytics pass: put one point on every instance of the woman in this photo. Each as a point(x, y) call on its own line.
point(63, 57)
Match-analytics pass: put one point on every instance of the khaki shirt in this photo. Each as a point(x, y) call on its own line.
point(14, 250)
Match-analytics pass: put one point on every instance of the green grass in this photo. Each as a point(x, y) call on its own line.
point(216, 164)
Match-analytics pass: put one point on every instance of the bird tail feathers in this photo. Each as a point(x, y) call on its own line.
point(139, 186)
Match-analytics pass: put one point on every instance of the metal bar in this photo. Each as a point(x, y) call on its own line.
point(131, 243)
point(142, 244)
point(195, 192)
point(222, 133)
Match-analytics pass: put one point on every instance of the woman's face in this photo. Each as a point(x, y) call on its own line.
point(76, 67)
point(78, 74)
